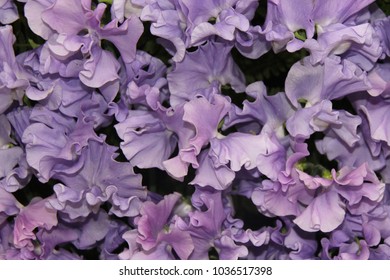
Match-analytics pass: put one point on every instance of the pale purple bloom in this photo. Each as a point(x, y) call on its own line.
point(201, 117)
point(14, 172)
point(210, 62)
point(269, 111)
point(287, 241)
point(333, 79)
point(55, 142)
point(356, 186)
point(213, 227)
point(37, 214)
point(98, 178)
point(8, 12)
point(156, 225)
point(183, 24)
point(146, 140)
point(9, 206)
point(365, 150)
point(382, 30)
point(63, 27)
point(210, 173)
point(289, 24)
point(322, 117)
point(12, 79)
point(378, 78)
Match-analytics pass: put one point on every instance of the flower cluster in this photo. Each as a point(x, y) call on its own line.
point(145, 129)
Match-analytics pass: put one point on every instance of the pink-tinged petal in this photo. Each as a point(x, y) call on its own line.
point(379, 78)
point(35, 215)
point(153, 219)
point(325, 213)
point(313, 182)
point(180, 241)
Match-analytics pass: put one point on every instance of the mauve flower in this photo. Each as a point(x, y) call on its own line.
point(287, 241)
point(52, 239)
point(124, 37)
point(287, 25)
point(382, 30)
point(333, 79)
point(269, 111)
point(143, 70)
point(183, 24)
point(14, 171)
point(98, 179)
point(92, 229)
point(375, 110)
point(352, 190)
point(359, 44)
point(262, 151)
point(65, 39)
point(210, 62)
point(212, 174)
point(322, 117)
point(146, 140)
point(213, 227)
point(9, 206)
point(12, 79)
point(231, 17)
point(379, 80)
point(8, 12)
point(201, 117)
point(156, 226)
point(365, 150)
point(37, 214)
point(113, 239)
point(10, 155)
point(54, 143)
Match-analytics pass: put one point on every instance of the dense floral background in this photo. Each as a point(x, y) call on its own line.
point(186, 129)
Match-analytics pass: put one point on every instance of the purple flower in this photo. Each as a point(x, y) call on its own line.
point(55, 142)
point(183, 24)
point(333, 79)
point(37, 214)
point(268, 111)
point(12, 80)
point(65, 39)
point(9, 206)
point(156, 225)
point(289, 25)
point(9, 12)
point(98, 178)
point(360, 189)
point(210, 62)
point(213, 227)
